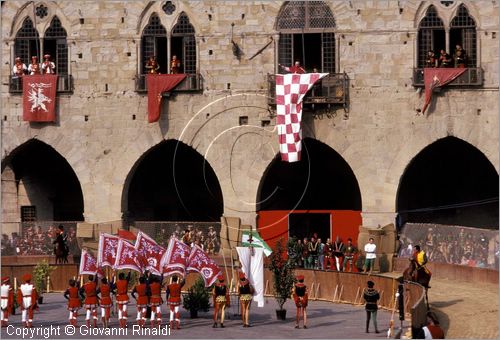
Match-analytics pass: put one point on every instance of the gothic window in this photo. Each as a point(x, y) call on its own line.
point(431, 35)
point(463, 32)
point(307, 35)
point(56, 45)
point(154, 43)
point(27, 42)
point(184, 44)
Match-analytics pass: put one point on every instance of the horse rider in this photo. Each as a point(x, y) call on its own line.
point(420, 258)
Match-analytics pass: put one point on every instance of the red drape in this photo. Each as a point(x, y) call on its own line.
point(128, 235)
point(437, 77)
point(158, 83)
point(39, 98)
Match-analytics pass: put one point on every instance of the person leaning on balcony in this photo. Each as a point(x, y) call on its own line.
point(19, 68)
point(34, 67)
point(47, 65)
point(445, 59)
point(296, 68)
point(431, 60)
point(152, 65)
point(175, 65)
point(460, 57)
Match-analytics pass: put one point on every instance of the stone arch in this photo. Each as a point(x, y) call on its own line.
point(50, 182)
point(322, 180)
point(449, 182)
point(155, 189)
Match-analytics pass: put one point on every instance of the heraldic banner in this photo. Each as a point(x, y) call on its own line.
point(158, 83)
point(437, 77)
point(39, 98)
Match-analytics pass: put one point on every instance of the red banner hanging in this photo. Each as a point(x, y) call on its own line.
point(158, 83)
point(39, 98)
point(438, 77)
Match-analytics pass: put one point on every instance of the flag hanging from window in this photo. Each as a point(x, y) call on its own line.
point(437, 77)
point(290, 91)
point(157, 84)
point(39, 98)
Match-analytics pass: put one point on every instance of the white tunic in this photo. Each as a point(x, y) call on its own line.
point(4, 293)
point(26, 290)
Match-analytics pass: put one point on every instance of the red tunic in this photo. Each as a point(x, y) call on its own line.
point(174, 298)
point(105, 295)
point(90, 293)
point(142, 299)
point(121, 291)
point(155, 298)
point(74, 298)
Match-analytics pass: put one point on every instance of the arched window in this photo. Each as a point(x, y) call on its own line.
point(27, 43)
point(154, 43)
point(184, 44)
point(307, 35)
point(56, 45)
point(463, 32)
point(431, 35)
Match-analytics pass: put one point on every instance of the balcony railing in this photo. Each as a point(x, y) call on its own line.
point(192, 83)
point(332, 89)
point(473, 76)
point(64, 84)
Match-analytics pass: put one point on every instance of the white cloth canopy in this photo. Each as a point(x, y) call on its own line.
point(253, 267)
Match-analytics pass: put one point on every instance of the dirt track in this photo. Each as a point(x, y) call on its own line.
point(466, 310)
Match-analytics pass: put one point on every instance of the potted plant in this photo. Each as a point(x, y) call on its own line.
point(40, 273)
point(197, 298)
point(283, 276)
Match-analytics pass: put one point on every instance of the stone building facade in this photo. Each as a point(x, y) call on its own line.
point(102, 136)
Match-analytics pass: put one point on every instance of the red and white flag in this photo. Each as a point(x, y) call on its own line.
point(88, 264)
point(438, 77)
point(176, 257)
point(290, 91)
point(151, 252)
point(158, 83)
point(39, 98)
point(127, 257)
point(199, 262)
point(106, 253)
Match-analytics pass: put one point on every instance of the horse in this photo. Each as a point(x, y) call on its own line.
point(61, 250)
point(419, 275)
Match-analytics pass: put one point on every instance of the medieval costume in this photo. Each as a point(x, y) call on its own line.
point(175, 65)
point(152, 65)
point(338, 252)
point(27, 297)
point(89, 290)
point(174, 301)
point(34, 67)
point(155, 300)
point(19, 69)
point(122, 298)
point(221, 300)
point(7, 301)
point(246, 295)
point(72, 294)
point(349, 252)
point(142, 299)
point(301, 298)
point(371, 297)
point(48, 67)
point(105, 290)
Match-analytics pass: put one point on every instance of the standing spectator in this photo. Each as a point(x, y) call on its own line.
point(445, 59)
point(349, 252)
point(328, 251)
point(338, 252)
point(313, 253)
point(296, 68)
point(48, 66)
point(321, 255)
point(20, 68)
point(305, 253)
point(460, 57)
point(300, 249)
point(431, 60)
point(371, 297)
point(370, 251)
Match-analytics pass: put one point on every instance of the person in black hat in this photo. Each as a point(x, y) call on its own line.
point(371, 296)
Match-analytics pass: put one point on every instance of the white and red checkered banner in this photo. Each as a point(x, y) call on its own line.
point(199, 262)
point(151, 252)
point(106, 253)
point(176, 258)
point(290, 91)
point(127, 257)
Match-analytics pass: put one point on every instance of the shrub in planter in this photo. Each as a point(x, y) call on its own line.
point(283, 277)
point(197, 298)
point(40, 273)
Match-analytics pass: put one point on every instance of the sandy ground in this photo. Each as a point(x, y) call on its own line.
point(466, 310)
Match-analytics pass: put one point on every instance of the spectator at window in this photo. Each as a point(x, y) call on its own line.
point(431, 60)
point(296, 68)
point(460, 57)
point(445, 59)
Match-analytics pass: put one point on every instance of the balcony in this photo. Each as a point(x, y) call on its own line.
point(192, 83)
point(331, 90)
point(64, 84)
point(473, 76)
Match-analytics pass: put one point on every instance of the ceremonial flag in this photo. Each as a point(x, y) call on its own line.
point(252, 264)
point(151, 252)
point(106, 253)
point(257, 241)
point(199, 262)
point(158, 83)
point(438, 77)
point(88, 264)
point(176, 257)
point(127, 235)
point(290, 91)
point(127, 257)
point(39, 98)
